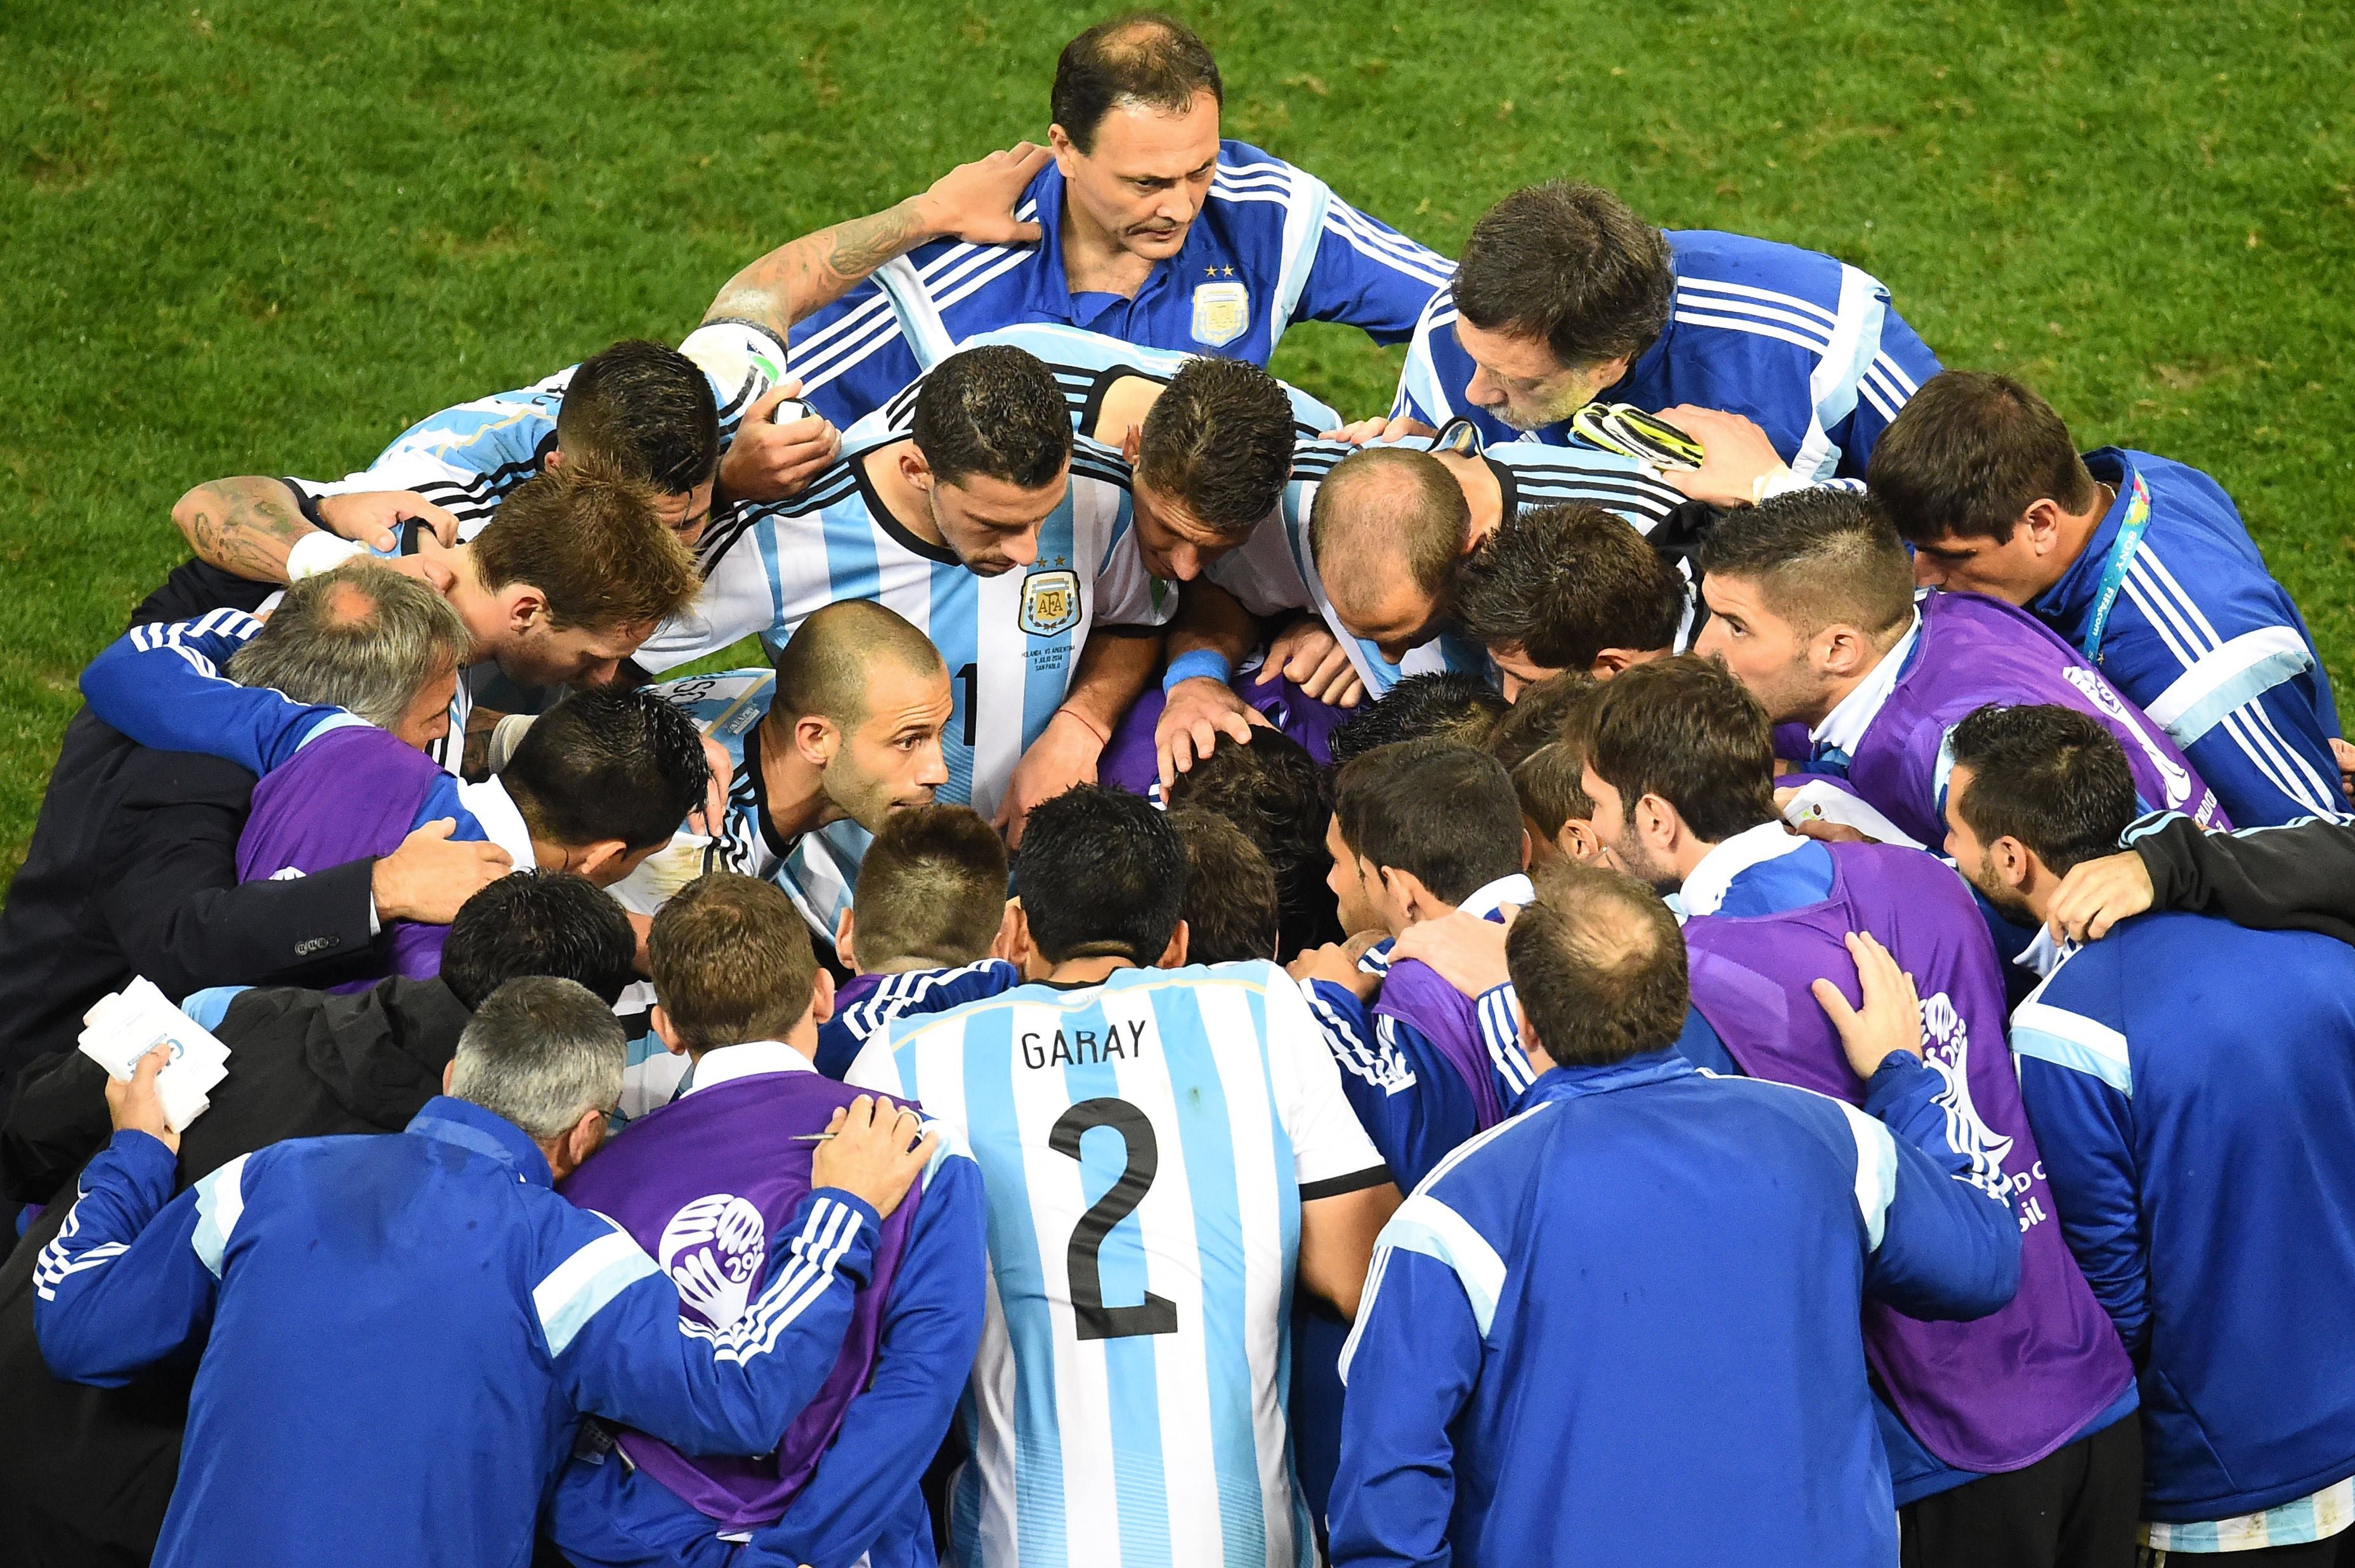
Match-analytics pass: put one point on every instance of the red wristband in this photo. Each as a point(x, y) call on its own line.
point(1103, 739)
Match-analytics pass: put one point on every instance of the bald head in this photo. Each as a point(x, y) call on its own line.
point(826, 669)
point(1387, 528)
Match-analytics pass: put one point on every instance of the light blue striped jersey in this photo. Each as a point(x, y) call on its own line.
point(1145, 1145)
point(1011, 642)
point(1087, 366)
point(467, 458)
point(817, 869)
point(1276, 571)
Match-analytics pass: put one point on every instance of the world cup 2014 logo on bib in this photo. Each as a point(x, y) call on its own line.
point(1221, 312)
point(712, 1250)
point(1050, 602)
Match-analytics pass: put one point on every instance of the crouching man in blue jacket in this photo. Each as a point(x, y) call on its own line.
point(400, 1334)
point(1645, 1286)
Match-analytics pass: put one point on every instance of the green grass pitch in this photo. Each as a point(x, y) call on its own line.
point(263, 237)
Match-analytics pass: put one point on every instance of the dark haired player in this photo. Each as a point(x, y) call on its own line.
point(1145, 227)
point(1232, 914)
point(1445, 705)
point(639, 408)
point(1570, 588)
point(989, 529)
point(1149, 1325)
point(700, 422)
point(1812, 606)
point(2176, 1048)
point(1272, 788)
point(1565, 297)
point(1209, 439)
point(2010, 1440)
point(2140, 563)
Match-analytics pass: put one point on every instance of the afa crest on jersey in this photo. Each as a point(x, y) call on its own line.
point(1221, 312)
point(1050, 602)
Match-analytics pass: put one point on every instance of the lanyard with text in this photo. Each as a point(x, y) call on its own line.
point(2122, 554)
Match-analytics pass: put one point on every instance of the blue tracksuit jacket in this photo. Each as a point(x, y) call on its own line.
point(2201, 638)
point(399, 1335)
point(866, 1002)
point(2192, 1087)
point(1273, 245)
point(1621, 1326)
point(1807, 346)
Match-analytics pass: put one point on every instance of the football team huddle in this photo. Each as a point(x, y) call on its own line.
point(1703, 942)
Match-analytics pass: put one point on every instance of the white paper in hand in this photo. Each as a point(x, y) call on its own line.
point(124, 1027)
point(1821, 802)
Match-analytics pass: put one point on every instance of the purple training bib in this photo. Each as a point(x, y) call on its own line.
point(2005, 1389)
point(352, 792)
point(706, 1184)
point(1975, 651)
point(1413, 994)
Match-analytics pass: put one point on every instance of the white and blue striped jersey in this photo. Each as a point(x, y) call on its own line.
point(1011, 642)
point(817, 869)
point(1273, 245)
point(1145, 1145)
point(1276, 571)
point(1087, 366)
point(1807, 346)
point(469, 457)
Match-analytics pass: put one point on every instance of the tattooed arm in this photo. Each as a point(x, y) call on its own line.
point(243, 526)
point(973, 202)
point(247, 526)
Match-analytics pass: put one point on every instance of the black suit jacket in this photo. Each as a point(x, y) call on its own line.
point(133, 871)
point(86, 1473)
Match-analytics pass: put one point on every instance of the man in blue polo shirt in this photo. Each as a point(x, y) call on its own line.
point(1145, 227)
point(1565, 297)
point(2142, 563)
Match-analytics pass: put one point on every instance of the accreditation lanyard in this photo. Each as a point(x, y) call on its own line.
point(2122, 553)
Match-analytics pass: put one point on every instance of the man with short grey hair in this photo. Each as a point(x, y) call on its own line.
point(364, 637)
point(133, 869)
point(372, 1309)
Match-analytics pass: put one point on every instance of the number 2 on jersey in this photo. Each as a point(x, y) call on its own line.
point(1155, 1314)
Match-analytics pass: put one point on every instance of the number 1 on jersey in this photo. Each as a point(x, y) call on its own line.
point(1155, 1314)
point(970, 675)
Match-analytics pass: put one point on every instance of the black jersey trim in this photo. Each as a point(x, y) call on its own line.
point(1100, 387)
point(778, 847)
point(882, 514)
point(1336, 1186)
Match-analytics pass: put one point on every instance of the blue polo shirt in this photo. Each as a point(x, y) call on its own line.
point(1273, 245)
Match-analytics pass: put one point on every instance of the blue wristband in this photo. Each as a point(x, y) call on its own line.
point(1200, 662)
